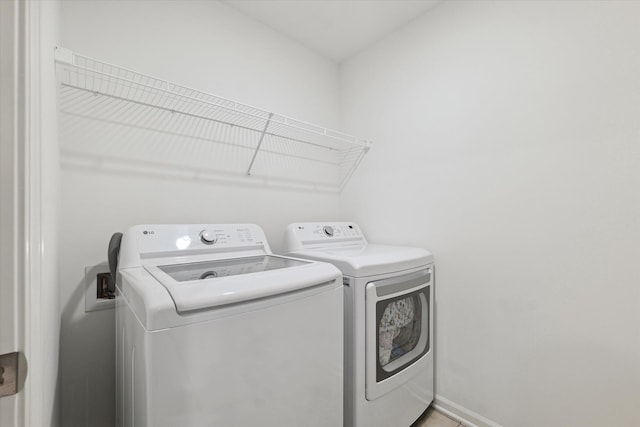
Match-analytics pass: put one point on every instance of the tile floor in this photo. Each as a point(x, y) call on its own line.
point(433, 418)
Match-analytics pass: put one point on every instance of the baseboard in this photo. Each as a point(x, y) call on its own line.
point(462, 414)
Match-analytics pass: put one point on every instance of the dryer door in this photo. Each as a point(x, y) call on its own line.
point(398, 337)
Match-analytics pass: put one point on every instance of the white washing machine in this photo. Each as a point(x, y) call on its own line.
point(388, 321)
point(214, 330)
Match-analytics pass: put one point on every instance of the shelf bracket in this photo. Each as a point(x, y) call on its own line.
point(63, 55)
point(264, 132)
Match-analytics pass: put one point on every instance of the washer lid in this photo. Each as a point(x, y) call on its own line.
point(370, 259)
point(211, 283)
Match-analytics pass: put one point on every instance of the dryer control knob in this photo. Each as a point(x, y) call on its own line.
point(208, 237)
point(328, 230)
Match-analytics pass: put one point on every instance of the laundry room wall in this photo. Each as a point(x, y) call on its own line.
point(201, 44)
point(507, 141)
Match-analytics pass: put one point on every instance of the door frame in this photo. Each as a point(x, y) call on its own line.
point(12, 209)
point(22, 321)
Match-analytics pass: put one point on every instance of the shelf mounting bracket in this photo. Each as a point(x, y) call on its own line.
point(264, 132)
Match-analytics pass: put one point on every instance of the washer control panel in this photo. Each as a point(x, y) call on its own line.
point(223, 235)
point(151, 243)
point(167, 238)
point(208, 237)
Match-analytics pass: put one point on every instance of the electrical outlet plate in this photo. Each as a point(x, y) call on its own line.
point(91, 300)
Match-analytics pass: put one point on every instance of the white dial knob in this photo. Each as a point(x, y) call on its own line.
point(208, 237)
point(328, 230)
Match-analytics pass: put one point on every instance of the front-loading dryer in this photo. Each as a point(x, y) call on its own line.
point(389, 293)
point(215, 330)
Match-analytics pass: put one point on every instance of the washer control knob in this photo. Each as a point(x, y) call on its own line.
point(328, 230)
point(208, 237)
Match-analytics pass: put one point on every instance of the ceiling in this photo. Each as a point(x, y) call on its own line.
point(337, 29)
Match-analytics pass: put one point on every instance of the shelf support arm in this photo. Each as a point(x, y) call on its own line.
point(264, 132)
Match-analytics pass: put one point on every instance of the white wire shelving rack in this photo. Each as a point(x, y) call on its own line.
point(125, 108)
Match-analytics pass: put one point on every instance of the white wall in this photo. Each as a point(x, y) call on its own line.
point(208, 46)
point(507, 141)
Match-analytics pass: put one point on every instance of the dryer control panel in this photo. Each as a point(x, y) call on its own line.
point(312, 231)
point(307, 234)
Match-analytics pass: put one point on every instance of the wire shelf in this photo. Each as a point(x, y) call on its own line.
point(110, 110)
